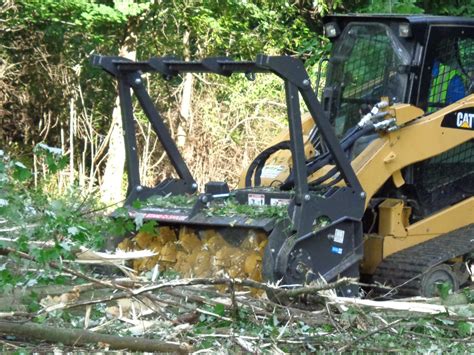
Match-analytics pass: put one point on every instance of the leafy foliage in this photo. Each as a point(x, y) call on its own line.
point(231, 208)
point(48, 228)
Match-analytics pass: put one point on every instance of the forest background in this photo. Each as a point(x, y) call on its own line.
point(62, 160)
point(50, 95)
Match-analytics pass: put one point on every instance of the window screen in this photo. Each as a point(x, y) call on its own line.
point(447, 178)
point(452, 72)
point(364, 67)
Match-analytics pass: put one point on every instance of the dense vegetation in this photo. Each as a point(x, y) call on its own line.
point(50, 93)
point(61, 154)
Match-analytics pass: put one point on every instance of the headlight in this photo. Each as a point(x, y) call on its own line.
point(331, 30)
point(404, 30)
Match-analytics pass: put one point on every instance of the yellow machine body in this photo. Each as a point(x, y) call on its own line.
point(418, 138)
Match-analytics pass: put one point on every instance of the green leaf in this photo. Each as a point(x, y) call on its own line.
point(219, 309)
point(465, 328)
point(40, 319)
point(137, 204)
point(21, 172)
point(444, 288)
point(149, 227)
point(469, 294)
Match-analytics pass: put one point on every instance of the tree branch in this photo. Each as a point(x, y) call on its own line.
point(75, 337)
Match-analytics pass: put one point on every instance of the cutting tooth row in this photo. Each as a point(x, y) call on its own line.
point(199, 253)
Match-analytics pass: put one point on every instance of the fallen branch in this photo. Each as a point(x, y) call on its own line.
point(393, 305)
point(54, 265)
point(88, 256)
point(15, 314)
point(294, 292)
point(75, 337)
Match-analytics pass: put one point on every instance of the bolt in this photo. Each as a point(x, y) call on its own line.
point(362, 194)
point(138, 81)
point(194, 186)
point(305, 82)
point(300, 268)
point(301, 250)
point(309, 258)
point(272, 250)
point(204, 198)
point(307, 197)
point(139, 188)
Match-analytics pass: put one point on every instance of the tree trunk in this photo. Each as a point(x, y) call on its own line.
point(185, 123)
point(111, 188)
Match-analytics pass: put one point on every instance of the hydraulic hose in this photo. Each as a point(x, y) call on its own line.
point(259, 162)
point(346, 144)
point(256, 167)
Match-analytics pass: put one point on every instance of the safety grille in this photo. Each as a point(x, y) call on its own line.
point(363, 69)
point(448, 167)
point(452, 72)
point(445, 179)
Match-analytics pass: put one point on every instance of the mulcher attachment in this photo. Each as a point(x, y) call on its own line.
point(319, 235)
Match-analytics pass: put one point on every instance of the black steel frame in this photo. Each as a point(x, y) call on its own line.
point(296, 80)
point(296, 83)
point(307, 245)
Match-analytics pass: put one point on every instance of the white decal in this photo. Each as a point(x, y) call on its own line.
point(272, 171)
point(160, 216)
point(279, 201)
point(339, 236)
point(256, 199)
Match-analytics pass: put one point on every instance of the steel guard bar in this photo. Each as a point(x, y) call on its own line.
point(296, 82)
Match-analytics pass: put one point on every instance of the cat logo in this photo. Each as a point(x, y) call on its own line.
point(464, 119)
point(459, 119)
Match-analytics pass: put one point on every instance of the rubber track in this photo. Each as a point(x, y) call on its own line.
point(404, 269)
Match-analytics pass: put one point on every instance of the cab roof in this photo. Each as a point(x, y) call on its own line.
point(419, 23)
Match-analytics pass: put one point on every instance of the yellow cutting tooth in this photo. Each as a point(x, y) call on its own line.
point(203, 267)
point(149, 263)
point(213, 241)
point(126, 245)
point(251, 262)
point(250, 242)
point(235, 262)
point(166, 234)
point(224, 256)
point(203, 253)
point(262, 246)
point(188, 240)
point(168, 253)
point(144, 239)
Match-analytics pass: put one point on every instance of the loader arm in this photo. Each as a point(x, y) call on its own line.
point(421, 138)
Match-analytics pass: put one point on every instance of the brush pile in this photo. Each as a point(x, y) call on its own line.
point(160, 312)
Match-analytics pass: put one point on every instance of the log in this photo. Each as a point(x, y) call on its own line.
point(392, 305)
point(74, 337)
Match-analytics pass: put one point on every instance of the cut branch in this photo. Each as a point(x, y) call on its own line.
point(54, 265)
point(295, 292)
point(75, 337)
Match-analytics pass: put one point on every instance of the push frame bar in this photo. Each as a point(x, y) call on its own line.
point(296, 82)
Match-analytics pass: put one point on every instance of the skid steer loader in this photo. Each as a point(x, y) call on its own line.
point(375, 182)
